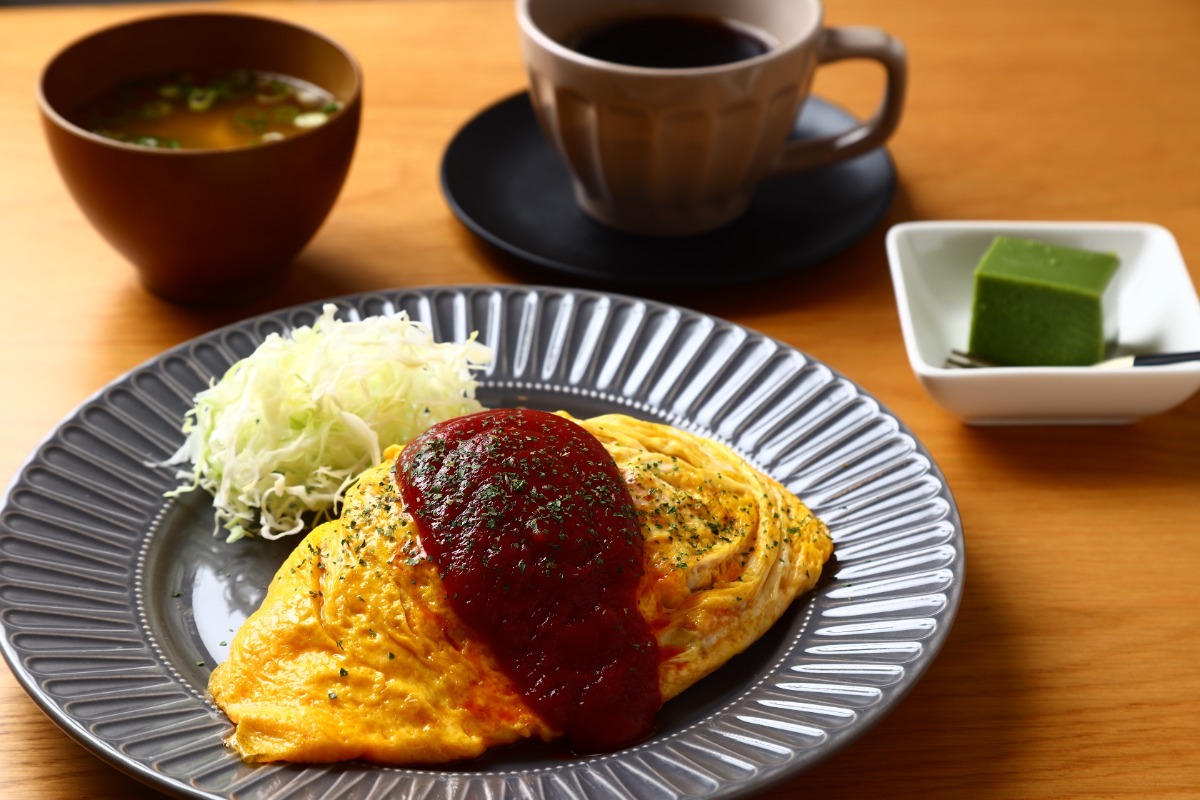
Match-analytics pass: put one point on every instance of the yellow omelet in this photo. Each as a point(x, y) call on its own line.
point(356, 653)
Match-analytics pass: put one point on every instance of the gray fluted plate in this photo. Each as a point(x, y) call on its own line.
point(115, 603)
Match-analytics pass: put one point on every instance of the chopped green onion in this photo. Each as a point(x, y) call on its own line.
point(238, 85)
point(169, 91)
point(155, 109)
point(273, 92)
point(249, 117)
point(201, 99)
point(310, 119)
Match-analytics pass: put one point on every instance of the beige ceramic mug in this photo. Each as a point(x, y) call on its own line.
point(678, 150)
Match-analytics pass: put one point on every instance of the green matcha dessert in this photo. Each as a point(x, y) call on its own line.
point(1040, 304)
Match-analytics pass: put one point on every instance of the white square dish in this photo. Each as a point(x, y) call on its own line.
point(932, 266)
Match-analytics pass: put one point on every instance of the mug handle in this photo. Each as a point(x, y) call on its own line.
point(854, 42)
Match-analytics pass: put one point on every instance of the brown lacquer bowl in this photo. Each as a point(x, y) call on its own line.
point(203, 226)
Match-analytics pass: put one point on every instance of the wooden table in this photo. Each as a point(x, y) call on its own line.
point(1072, 670)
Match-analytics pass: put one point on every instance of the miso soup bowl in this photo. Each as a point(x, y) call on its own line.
point(203, 227)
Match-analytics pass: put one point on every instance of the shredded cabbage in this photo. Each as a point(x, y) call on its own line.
point(287, 429)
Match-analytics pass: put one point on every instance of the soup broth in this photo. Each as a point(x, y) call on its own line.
point(183, 110)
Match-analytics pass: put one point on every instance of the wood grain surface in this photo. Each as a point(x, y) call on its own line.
point(1072, 670)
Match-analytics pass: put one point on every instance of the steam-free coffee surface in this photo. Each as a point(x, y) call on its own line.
point(670, 41)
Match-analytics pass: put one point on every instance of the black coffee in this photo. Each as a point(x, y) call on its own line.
point(670, 41)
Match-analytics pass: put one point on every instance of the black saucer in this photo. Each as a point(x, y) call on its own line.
point(506, 184)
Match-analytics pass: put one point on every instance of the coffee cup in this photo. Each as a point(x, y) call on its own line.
point(669, 113)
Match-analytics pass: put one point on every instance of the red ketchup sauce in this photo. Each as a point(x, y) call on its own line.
point(538, 544)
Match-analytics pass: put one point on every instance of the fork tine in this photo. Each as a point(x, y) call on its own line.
point(961, 360)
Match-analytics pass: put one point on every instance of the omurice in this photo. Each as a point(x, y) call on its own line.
point(515, 575)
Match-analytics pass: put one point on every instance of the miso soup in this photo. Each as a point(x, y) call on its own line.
point(188, 110)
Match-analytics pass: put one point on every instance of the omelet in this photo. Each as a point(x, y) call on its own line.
point(357, 652)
